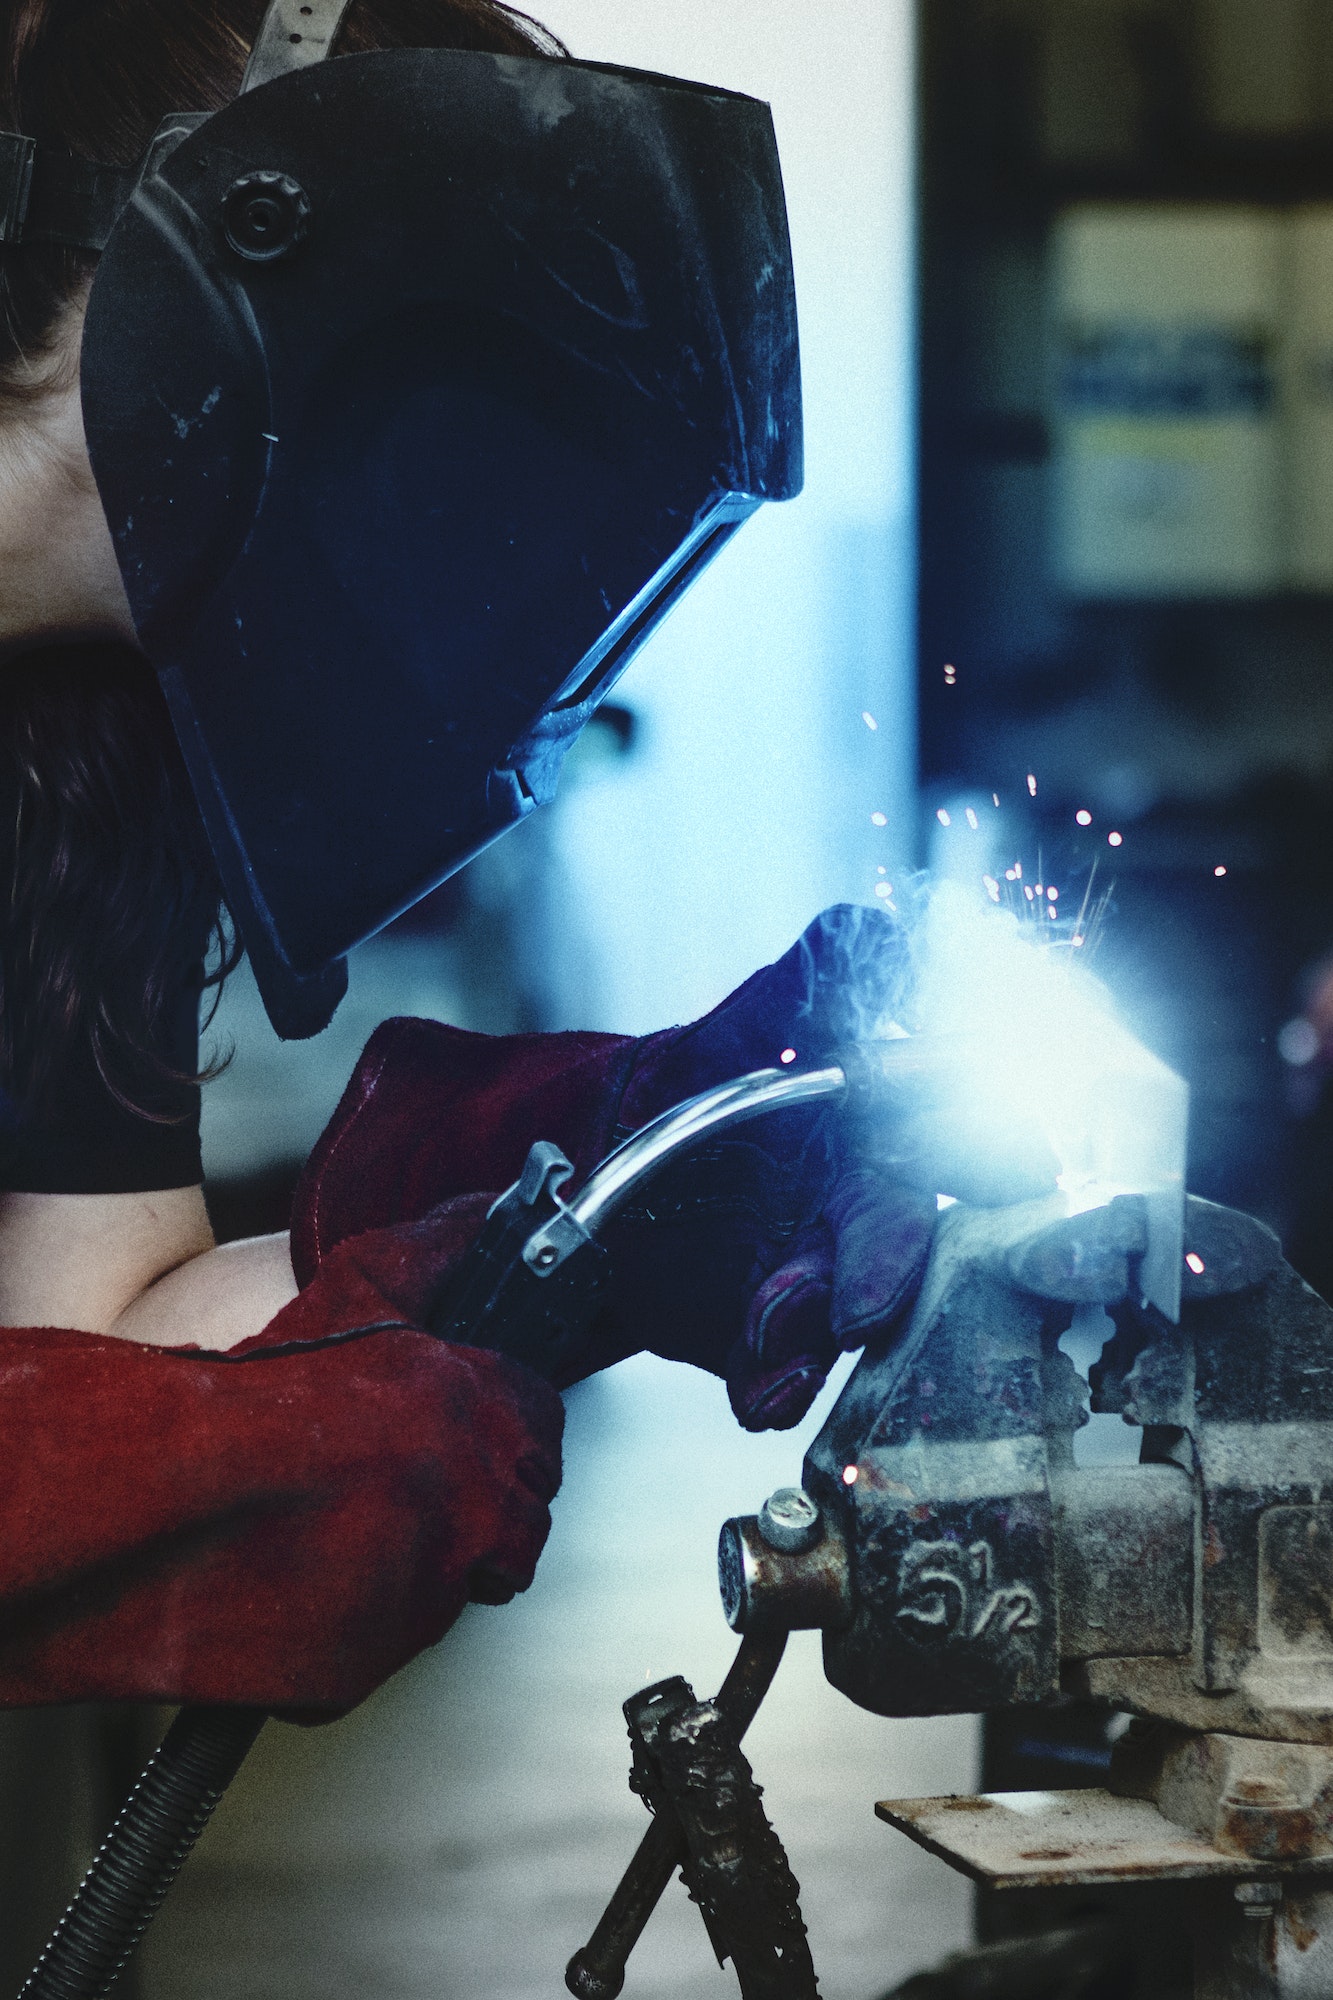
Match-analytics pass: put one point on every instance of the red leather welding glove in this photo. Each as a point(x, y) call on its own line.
point(757, 1258)
point(282, 1525)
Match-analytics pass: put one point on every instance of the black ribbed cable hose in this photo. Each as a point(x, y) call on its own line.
point(141, 1856)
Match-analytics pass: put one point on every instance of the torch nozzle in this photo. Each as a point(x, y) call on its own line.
point(922, 1110)
point(910, 1104)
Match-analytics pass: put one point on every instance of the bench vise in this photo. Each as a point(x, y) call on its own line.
point(958, 1557)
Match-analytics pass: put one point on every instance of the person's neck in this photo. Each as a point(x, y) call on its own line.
point(58, 573)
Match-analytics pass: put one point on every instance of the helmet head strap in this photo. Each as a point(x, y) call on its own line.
point(48, 195)
point(293, 34)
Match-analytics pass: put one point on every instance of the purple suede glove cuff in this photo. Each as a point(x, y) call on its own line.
point(849, 1277)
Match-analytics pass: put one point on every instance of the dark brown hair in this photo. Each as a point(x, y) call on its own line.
point(109, 899)
point(97, 77)
point(110, 877)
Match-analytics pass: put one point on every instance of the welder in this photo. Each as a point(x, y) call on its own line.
point(372, 379)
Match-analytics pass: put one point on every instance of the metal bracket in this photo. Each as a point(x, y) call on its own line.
point(1059, 1840)
point(50, 196)
point(509, 1222)
point(293, 34)
point(497, 1297)
point(545, 1172)
point(549, 1247)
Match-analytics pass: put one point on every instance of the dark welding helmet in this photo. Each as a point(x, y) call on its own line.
point(417, 385)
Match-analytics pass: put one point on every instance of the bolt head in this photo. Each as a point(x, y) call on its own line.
point(790, 1521)
point(265, 215)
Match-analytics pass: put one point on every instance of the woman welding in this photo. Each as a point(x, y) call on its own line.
point(372, 379)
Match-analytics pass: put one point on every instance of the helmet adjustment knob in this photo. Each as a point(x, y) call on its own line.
point(265, 215)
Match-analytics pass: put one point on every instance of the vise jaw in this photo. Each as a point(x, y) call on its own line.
point(965, 1561)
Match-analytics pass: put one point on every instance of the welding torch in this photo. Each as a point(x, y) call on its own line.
point(529, 1287)
point(534, 1277)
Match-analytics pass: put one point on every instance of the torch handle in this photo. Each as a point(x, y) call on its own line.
point(598, 1971)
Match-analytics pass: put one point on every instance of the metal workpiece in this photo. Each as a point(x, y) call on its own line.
point(1091, 1258)
point(767, 1589)
point(1098, 1256)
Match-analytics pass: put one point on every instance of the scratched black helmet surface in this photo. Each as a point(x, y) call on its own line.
point(417, 386)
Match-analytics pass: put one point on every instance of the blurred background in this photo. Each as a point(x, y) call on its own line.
point(1060, 589)
point(1125, 370)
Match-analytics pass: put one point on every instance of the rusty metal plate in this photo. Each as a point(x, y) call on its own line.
point(1024, 1840)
